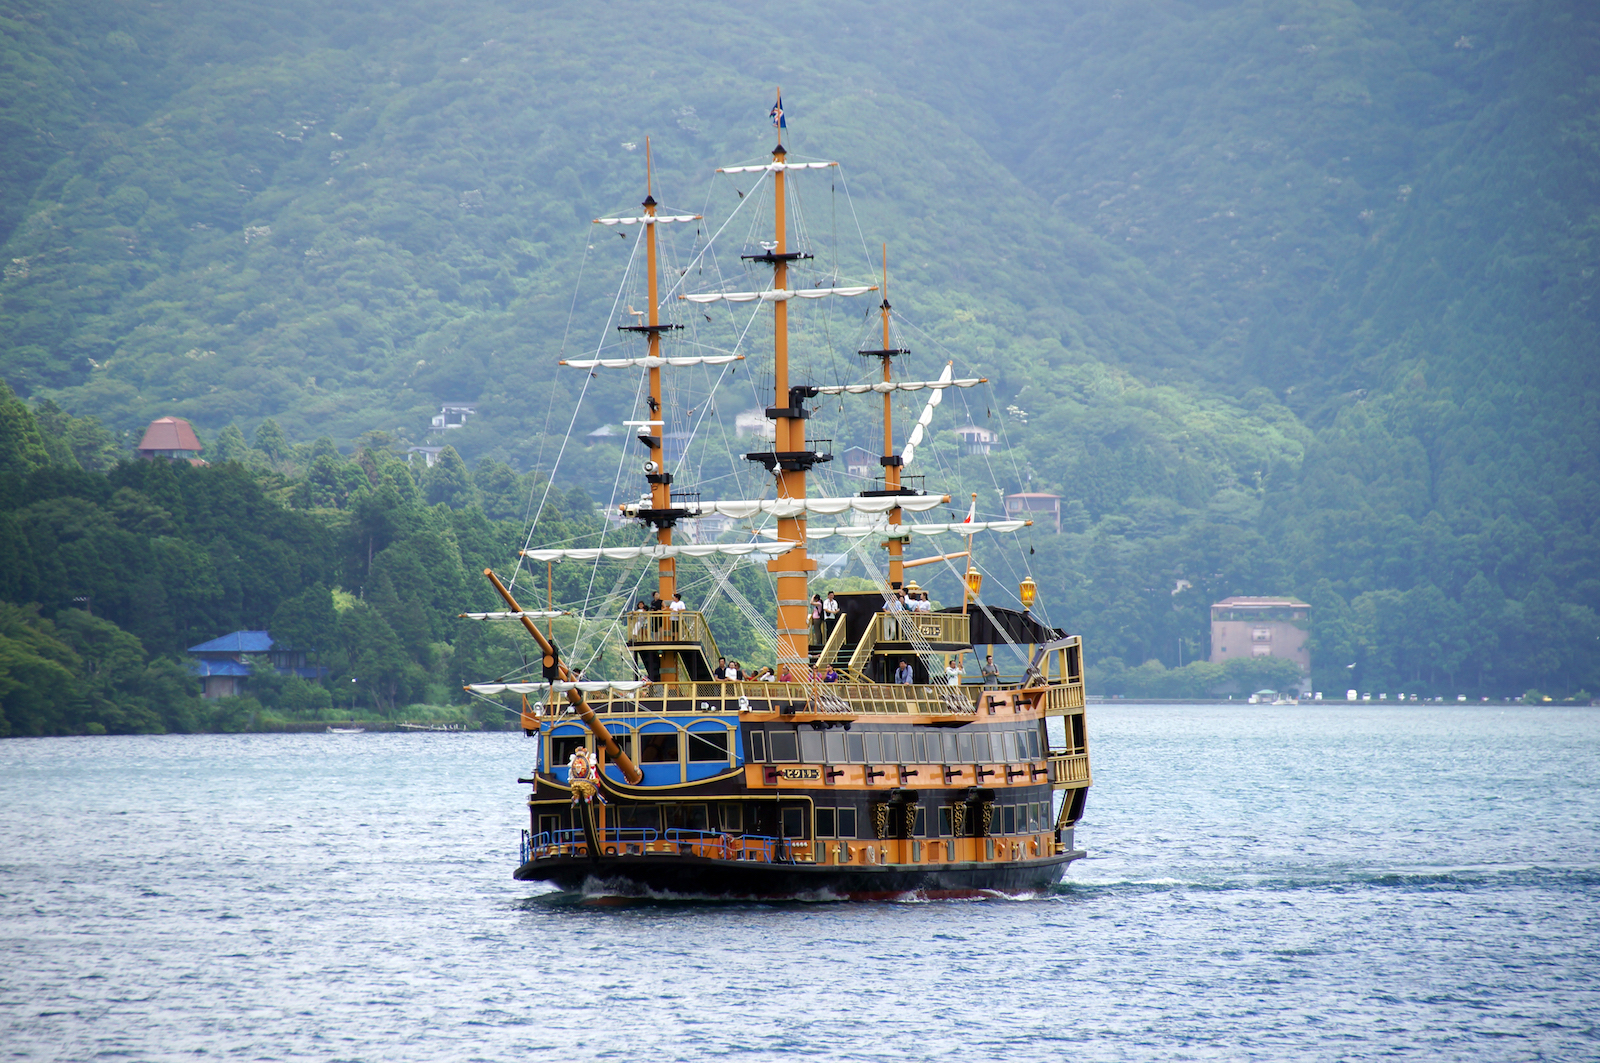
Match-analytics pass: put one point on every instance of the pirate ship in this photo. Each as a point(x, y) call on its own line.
point(838, 777)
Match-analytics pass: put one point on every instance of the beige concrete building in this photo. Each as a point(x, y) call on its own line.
point(1261, 627)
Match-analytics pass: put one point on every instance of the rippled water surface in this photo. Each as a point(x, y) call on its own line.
point(1333, 882)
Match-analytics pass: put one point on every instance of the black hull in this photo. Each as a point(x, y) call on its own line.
point(701, 877)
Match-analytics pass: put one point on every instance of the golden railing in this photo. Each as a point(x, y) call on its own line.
point(1063, 700)
point(915, 628)
point(667, 629)
point(857, 697)
point(1069, 770)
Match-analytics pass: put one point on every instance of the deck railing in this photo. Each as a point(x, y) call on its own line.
point(916, 628)
point(1069, 769)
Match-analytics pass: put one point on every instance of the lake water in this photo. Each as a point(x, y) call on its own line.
point(1331, 882)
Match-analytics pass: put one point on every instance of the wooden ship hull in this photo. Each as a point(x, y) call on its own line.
point(844, 790)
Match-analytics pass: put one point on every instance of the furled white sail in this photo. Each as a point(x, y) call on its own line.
point(899, 385)
point(775, 295)
point(923, 420)
point(649, 362)
point(531, 614)
point(797, 507)
point(621, 687)
point(774, 166)
point(659, 219)
point(906, 531)
point(626, 553)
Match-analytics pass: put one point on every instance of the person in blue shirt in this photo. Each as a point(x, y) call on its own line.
point(903, 673)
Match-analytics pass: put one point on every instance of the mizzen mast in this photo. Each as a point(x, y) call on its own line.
point(890, 460)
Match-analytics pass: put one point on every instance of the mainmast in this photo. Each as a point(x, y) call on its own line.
point(792, 570)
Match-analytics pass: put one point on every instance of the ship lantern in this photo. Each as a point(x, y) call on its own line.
point(1028, 591)
point(974, 583)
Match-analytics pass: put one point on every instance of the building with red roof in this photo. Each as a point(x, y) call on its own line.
point(172, 438)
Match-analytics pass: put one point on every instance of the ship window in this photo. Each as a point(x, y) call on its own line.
point(549, 825)
point(621, 735)
point(920, 826)
point(639, 817)
point(847, 823)
point(856, 748)
point(1036, 816)
point(980, 747)
point(1009, 820)
point(732, 817)
point(810, 746)
point(658, 748)
point(707, 746)
point(1033, 744)
point(785, 747)
point(1009, 739)
point(834, 743)
point(794, 821)
point(871, 741)
point(686, 817)
point(827, 823)
point(908, 748)
point(964, 747)
point(758, 746)
point(944, 822)
point(948, 742)
point(562, 747)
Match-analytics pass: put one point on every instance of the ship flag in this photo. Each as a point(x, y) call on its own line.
point(776, 114)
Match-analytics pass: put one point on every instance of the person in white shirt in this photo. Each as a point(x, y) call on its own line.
point(830, 613)
point(676, 609)
point(952, 671)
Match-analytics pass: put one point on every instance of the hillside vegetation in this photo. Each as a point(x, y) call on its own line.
point(1281, 298)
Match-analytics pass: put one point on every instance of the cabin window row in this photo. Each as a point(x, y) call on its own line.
point(654, 746)
point(788, 820)
point(810, 746)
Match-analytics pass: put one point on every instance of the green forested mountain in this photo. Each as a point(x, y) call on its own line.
point(1283, 297)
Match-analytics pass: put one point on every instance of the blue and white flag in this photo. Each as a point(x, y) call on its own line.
point(777, 114)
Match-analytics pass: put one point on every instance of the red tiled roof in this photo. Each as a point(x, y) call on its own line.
point(170, 433)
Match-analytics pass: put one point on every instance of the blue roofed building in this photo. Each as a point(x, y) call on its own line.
point(223, 664)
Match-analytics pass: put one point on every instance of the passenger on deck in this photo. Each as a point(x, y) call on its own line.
point(903, 674)
point(767, 675)
point(677, 609)
point(952, 671)
point(830, 613)
point(831, 675)
point(990, 673)
point(720, 672)
point(816, 615)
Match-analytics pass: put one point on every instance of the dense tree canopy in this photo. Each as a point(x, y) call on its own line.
point(1288, 298)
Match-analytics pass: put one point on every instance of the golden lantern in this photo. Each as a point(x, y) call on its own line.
point(1028, 591)
point(974, 583)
